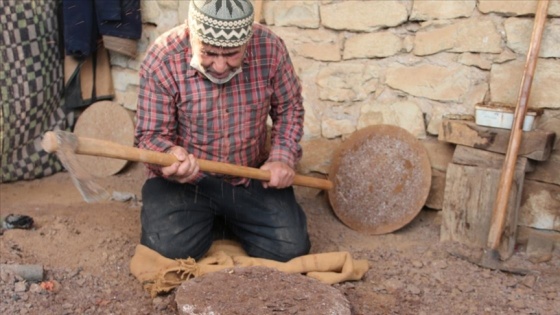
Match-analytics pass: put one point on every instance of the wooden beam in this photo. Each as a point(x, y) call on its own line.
point(535, 144)
point(470, 156)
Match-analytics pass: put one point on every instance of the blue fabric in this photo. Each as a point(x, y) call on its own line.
point(179, 220)
point(86, 20)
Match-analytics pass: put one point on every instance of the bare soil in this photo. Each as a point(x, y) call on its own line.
point(85, 249)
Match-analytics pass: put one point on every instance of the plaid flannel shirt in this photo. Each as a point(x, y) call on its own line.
point(227, 122)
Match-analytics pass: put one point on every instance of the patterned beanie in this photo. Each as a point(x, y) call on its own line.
point(223, 23)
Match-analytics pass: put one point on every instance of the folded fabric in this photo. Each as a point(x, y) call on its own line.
point(85, 21)
point(159, 274)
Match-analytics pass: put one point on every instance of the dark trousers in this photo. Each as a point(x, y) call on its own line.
point(180, 220)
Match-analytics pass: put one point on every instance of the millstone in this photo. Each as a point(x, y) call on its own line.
point(382, 177)
point(109, 121)
point(258, 290)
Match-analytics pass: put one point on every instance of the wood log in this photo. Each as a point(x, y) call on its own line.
point(468, 201)
point(535, 144)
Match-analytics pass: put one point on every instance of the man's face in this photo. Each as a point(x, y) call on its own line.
point(218, 62)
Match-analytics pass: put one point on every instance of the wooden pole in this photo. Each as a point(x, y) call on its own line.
point(508, 169)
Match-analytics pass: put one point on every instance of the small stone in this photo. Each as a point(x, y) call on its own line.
point(465, 288)
point(510, 282)
point(529, 281)
point(417, 264)
point(517, 304)
point(6, 276)
point(35, 288)
point(440, 264)
point(412, 289)
point(392, 285)
point(67, 306)
point(486, 274)
point(24, 297)
point(20, 286)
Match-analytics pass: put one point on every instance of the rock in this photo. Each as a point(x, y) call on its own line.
point(412, 289)
point(258, 290)
point(20, 286)
point(393, 285)
point(417, 264)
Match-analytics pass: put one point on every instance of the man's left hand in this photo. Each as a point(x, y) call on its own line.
point(281, 175)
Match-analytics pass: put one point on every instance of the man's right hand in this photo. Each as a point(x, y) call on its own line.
point(184, 170)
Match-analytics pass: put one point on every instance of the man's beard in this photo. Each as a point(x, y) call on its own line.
point(195, 63)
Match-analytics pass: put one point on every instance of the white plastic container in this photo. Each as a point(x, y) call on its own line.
point(500, 116)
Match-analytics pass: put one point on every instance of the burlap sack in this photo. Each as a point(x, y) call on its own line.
point(158, 274)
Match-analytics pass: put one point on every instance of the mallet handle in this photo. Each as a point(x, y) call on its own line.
point(103, 148)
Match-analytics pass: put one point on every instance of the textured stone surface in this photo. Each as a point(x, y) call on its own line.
point(381, 176)
point(370, 56)
point(258, 290)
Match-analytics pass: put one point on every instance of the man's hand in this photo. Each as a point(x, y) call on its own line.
point(184, 170)
point(281, 175)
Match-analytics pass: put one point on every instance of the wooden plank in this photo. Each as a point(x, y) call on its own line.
point(439, 152)
point(540, 206)
point(470, 156)
point(437, 190)
point(470, 192)
point(547, 171)
point(535, 144)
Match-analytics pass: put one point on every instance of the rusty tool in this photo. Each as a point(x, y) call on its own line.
point(67, 144)
point(491, 257)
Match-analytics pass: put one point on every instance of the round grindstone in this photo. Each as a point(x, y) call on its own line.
point(107, 121)
point(258, 290)
point(382, 177)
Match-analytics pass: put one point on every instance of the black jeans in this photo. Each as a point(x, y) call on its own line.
point(178, 220)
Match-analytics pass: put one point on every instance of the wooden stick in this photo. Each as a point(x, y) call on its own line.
point(96, 147)
point(508, 169)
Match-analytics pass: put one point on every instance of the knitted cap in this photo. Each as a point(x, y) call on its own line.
point(223, 23)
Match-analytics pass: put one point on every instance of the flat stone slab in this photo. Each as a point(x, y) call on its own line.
point(258, 290)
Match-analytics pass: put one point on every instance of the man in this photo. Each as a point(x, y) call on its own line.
point(207, 89)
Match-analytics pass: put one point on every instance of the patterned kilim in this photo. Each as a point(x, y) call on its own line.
point(31, 87)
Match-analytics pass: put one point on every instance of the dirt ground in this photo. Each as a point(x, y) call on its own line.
point(85, 250)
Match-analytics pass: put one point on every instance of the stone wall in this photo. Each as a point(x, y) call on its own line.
point(404, 62)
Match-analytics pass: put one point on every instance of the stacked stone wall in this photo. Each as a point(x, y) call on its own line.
point(404, 62)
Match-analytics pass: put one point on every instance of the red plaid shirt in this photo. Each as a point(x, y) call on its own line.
point(177, 105)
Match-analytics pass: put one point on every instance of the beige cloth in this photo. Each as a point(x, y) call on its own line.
point(159, 274)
